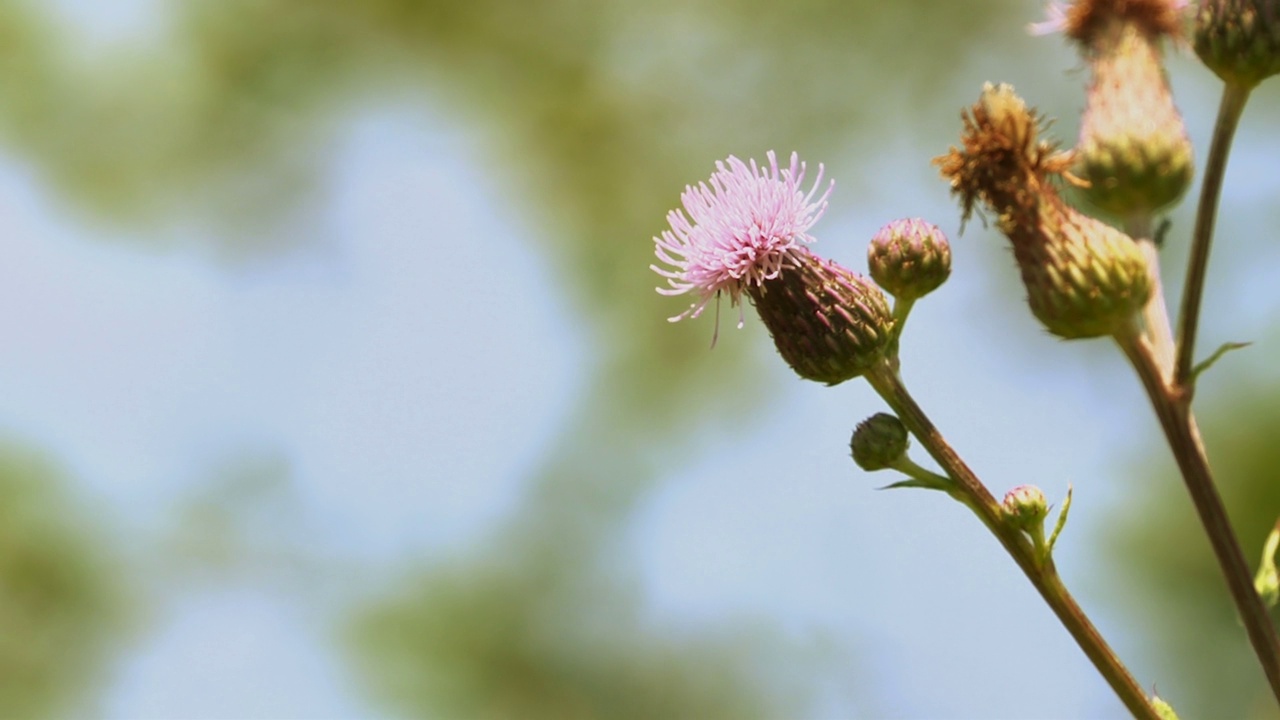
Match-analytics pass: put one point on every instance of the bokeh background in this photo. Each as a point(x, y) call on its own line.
point(333, 381)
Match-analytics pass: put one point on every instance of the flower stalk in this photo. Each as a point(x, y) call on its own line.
point(1176, 420)
point(1038, 568)
point(1230, 109)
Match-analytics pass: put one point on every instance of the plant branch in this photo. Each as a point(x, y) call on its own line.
point(1039, 570)
point(1179, 425)
point(1234, 97)
point(1155, 315)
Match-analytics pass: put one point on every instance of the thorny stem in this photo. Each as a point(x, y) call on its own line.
point(1234, 97)
point(1039, 570)
point(1173, 409)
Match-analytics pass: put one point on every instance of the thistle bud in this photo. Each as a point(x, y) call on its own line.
point(909, 258)
point(879, 442)
point(1133, 150)
point(829, 323)
point(1239, 40)
point(1025, 507)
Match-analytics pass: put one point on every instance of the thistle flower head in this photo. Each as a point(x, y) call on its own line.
point(1082, 20)
point(829, 323)
point(1133, 152)
point(1083, 278)
point(1239, 40)
point(739, 228)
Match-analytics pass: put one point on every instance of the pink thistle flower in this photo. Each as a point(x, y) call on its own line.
point(739, 229)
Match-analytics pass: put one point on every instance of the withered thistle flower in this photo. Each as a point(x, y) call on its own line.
point(1239, 40)
point(748, 235)
point(1133, 152)
point(1083, 277)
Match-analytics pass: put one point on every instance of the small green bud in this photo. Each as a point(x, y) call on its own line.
point(1025, 507)
point(879, 442)
point(909, 258)
point(830, 324)
point(1239, 40)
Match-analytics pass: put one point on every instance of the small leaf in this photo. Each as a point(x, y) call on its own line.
point(1267, 581)
point(1223, 350)
point(915, 483)
point(1062, 522)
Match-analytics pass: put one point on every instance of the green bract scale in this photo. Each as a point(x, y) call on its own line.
point(909, 258)
point(830, 324)
point(879, 442)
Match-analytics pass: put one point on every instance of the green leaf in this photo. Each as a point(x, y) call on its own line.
point(1061, 523)
point(1223, 350)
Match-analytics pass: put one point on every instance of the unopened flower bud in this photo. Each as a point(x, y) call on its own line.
point(830, 324)
point(879, 442)
point(909, 258)
point(1239, 40)
point(1025, 507)
point(1133, 151)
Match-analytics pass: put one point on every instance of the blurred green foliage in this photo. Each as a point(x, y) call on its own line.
point(594, 114)
point(62, 593)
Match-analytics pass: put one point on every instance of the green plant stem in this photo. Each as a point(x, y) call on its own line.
point(1039, 570)
point(1173, 409)
point(1155, 316)
point(1234, 97)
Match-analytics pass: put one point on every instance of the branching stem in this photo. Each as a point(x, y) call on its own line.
point(1040, 570)
point(1173, 409)
point(1234, 97)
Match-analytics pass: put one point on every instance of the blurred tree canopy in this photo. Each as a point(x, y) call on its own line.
point(62, 592)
